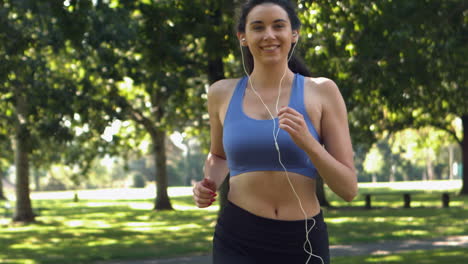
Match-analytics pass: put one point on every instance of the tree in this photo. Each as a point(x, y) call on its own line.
point(34, 97)
point(155, 70)
point(44, 85)
point(5, 161)
point(373, 162)
point(396, 68)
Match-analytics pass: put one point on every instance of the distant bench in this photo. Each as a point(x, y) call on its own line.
point(445, 198)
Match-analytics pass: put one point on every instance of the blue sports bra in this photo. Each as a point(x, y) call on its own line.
point(249, 144)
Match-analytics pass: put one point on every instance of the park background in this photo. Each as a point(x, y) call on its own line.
point(103, 113)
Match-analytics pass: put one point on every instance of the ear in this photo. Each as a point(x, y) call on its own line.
point(241, 38)
point(295, 35)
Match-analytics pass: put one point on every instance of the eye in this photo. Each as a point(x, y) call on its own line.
point(257, 28)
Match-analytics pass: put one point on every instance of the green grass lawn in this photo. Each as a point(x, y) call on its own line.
point(103, 227)
point(452, 256)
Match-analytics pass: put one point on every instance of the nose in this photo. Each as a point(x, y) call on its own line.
point(269, 34)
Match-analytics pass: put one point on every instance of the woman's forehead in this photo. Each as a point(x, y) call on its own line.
point(267, 12)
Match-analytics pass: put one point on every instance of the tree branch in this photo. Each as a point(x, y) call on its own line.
point(450, 132)
point(138, 116)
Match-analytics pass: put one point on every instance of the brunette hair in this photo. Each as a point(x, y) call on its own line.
point(295, 63)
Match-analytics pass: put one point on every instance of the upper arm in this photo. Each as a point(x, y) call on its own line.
point(334, 124)
point(215, 100)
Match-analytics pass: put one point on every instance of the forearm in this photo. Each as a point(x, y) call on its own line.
point(216, 169)
point(341, 179)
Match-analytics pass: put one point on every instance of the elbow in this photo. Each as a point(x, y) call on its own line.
point(350, 193)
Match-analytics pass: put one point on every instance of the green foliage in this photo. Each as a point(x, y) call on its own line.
point(395, 67)
point(408, 154)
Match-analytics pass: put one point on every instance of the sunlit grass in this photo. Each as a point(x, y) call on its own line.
point(87, 231)
point(106, 228)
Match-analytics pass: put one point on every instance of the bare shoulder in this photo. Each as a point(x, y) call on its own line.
point(219, 95)
point(326, 91)
point(322, 86)
point(222, 87)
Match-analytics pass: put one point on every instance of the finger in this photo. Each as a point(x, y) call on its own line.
point(287, 109)
point(296, 125)
point(287, 128)
point(209, 184)
point(203, 192)
point(283, 110)
point(295, 118)
point(203, 202)
point(204, 205)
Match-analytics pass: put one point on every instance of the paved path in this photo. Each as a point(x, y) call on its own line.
point(383, 248)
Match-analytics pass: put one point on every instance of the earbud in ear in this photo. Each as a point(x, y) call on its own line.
point(243, 40)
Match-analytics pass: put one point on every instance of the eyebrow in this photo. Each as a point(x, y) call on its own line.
point(261, 22)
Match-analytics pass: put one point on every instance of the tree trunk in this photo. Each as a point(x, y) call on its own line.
point(464, 190)
point(162, 201)
point(392, 173)
point(430, 169)
point(23, 211)
point(405, 177)
point(320, 189)
point(2, 194)
point(189, 169)
point(451, 162)
point(37, 180)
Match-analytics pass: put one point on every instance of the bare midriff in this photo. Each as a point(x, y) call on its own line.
point(269, 194)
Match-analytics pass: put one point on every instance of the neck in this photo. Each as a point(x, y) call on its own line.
point(269, 76)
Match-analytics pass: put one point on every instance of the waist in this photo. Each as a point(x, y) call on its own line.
point(269, 194)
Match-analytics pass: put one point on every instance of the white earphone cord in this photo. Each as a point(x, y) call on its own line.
point(307, 242)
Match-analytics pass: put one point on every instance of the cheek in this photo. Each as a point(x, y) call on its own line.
point(254, 39)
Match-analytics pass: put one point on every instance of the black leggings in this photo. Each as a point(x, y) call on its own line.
point(244, 238)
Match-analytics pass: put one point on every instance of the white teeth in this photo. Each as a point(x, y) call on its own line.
point(270, 48)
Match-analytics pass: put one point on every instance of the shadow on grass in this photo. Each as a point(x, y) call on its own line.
point(394, 223)
point(452, 256)
point(75, 233)
point(94, 230)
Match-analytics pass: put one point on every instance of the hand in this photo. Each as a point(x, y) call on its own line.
point(293, 122)
point(204, 193)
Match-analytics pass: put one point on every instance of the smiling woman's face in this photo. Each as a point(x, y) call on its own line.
point(268, 33)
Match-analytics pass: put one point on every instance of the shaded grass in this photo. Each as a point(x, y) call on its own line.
point(88, 231)
point(452, 256)
point(369, 226)
point(95, 230)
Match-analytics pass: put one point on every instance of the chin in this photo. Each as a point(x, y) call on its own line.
point(272, 60)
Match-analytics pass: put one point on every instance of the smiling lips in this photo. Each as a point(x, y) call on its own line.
point(270, 48)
